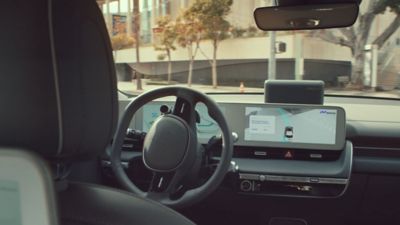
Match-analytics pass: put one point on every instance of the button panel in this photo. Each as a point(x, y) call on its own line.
point(293, 179)
point(291, 186)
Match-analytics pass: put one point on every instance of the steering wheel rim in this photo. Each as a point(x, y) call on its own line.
point(193, 195)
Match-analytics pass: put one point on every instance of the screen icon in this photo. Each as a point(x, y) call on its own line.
point(289, 132)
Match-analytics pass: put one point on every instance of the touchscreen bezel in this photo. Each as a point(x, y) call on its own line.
point(235, 112)
point(340, 138)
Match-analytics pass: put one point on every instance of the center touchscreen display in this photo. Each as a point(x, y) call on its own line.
point(291, 126)
point(288, 125)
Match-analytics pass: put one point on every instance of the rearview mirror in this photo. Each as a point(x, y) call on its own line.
point(306, 17)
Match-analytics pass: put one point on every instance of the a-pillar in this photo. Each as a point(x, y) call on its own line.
point(108, 16)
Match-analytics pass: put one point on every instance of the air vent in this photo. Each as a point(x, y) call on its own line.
point(376, 142)
point(369, 151)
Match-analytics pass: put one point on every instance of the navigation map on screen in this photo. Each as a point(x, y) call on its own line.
point(311, 126)
point(10, 211)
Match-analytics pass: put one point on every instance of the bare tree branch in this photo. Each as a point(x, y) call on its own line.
point(379, 41)
point(329, 36)
point(375, 6)
point(205, 56)
point(349, 33)
point(366, 19)
point(365, 25)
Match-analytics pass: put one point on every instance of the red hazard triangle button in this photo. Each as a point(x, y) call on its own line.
point(289, 155)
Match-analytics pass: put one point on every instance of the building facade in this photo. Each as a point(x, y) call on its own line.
point(301, 48)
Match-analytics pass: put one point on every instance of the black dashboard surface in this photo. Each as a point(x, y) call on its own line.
point(373, 126)
point(370, 122)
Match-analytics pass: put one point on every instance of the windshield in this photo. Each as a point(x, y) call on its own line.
point(214, 46)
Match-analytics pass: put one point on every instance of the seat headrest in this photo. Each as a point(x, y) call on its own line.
point(58, 90)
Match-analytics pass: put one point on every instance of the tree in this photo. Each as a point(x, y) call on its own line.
point(189, 29)
point(167, 39)
point(238, 32)
point(357, 36)
point(212, 14)
point(121, 41)
point(136, 19)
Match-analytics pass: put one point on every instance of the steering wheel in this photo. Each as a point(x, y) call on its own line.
point(171, 149)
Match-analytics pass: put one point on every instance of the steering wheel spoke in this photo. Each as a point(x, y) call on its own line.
point(185, 109)
point(163, 185)
point(162, 182)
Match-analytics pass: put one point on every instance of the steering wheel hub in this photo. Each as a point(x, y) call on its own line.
point(166, 144)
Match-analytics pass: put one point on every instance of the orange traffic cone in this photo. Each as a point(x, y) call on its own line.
point(241, 87)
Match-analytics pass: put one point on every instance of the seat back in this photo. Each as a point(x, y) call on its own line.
point(57, 79)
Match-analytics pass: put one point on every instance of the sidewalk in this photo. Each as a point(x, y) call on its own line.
point(369, 93)
point(130, 88)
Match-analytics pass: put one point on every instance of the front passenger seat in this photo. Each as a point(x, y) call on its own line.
point(58, 98)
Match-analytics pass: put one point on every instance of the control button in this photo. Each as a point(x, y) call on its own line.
point(316, 156)
point(235, 137)
point(262, 178)
point(260, 153)
point(246, 176)
point(314, 180)
point(234, 167)
point(164, 109)
point(289, 155)
point(246, 186)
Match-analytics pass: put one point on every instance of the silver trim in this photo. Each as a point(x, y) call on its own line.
point(246, 176)
point(234, 167)
point(55, 73)
point(106, 163)
point(295, 179)
point(246, 189)
point(235, 137)
point(351, 149)
point(183, 107)
point(160, 182)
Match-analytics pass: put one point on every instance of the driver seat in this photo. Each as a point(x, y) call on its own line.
point(59, 99)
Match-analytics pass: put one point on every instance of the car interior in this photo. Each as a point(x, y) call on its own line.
point(75, 150)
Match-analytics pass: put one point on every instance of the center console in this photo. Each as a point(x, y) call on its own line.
point(290, 150)
point(287, 172)
point(280, 149)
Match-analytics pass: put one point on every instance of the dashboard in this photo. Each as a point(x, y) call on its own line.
point(273, 125)
point(363, 136)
